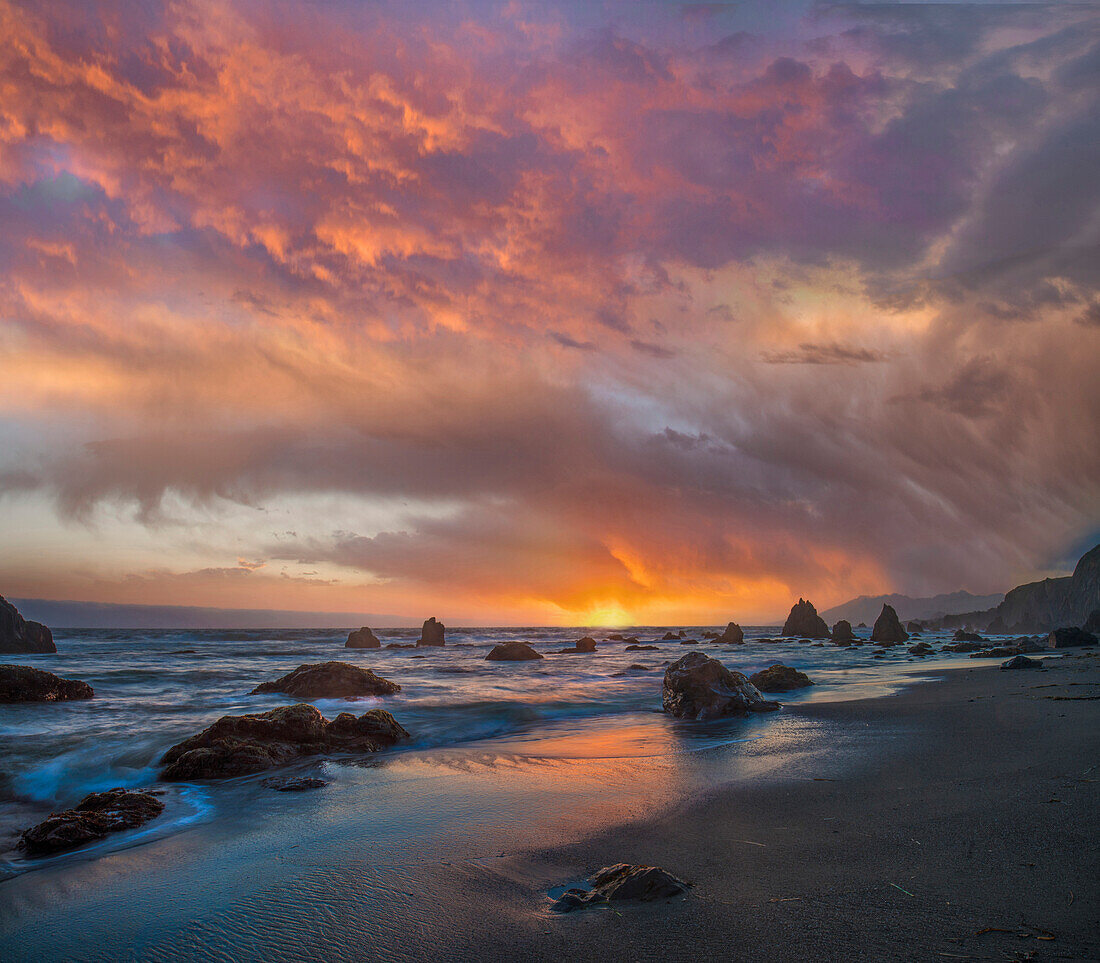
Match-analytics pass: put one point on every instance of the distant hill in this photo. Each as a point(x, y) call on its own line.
point(58, 614)
point(866, 608)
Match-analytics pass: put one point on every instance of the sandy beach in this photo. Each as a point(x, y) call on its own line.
point(955, 819)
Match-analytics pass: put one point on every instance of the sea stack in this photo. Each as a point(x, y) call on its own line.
point(888, 629)
point(805, 622)
point(432, 633)
point(733, 635)
point(842, 632)
point(362, 638)
point(18, 636)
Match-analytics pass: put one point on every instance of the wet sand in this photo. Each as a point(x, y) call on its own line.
point(896, 828)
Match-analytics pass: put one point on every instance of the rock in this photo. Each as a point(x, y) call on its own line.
point(862, 625)
point(779, 678)
point(912, 627)
point(330, 680)
point(615, 638)
point(1026, 644)
point(1041, 606)
point(669, 637)
point(585, 645)
point(432, 633)
point(240, 745)
point(842, 632)
point(804, 620)
point(997, 626)
point(22, 683)
point(642, 648)
point(633, 639)
point(921, 648)
point(709, 636)
point(688, 642)
point(623, 882)
point(514, 652)
point(1022, 662)
point(997, 652)
point(732, 635)
point(888, 627)
point(94, 817)
point(294, 783)
point(964, 647)
point(699, 687)
point(1066, 638)
point(964, 636)
point(362, 638)
point(400, 645)
point(1092, 623)
point(635, 667)
point(20, 637)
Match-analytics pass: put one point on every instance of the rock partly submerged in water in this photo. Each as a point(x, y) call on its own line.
point(94, 817)
point(1022, 662)
point(779, 678)
point(804, 621)
point(961, 635)
point(294, 783)
point(921, 648)
point(24, 683)
point(432, 633)
point(622, 882)
point(642, 648)
point(699, 687)
point(888, 629)
point(362, 638)
point(241, 745)
point(731, 635)
point(329, 680)
point(842, 633)
point(587, 644)
point(21, 637)
point(512, 652)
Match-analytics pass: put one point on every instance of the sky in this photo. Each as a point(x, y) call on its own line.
point(534, 313)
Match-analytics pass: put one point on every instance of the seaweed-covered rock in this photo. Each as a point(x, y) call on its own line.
point(24, 683)
point(512, 652)
point(21, 637)
point(779, 678)
point(622, 882)
point(95, 816)
point(330, 680)
point(699, 687)
point(240, 745)
point(362, 638)
point(1069, 637)
point(804, 621)
point(888, 629)
point(432, 633)
point(842, 633)
point(732, 635)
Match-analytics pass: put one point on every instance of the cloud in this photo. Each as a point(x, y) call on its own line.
point(823, 354)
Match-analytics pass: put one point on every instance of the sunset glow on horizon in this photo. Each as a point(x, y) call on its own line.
point(527, 314)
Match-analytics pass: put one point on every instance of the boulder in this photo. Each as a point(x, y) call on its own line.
point(888, 627)
point(669, 637)
point(962, 635)
point(779, 678)
point(241, 745)
point(842, 632)
point(732, 635)
point(586, 644)
point(432, 633)
point(964, 647)
point(688, 642)
point(805, 621)
point(709, 636)
point(1022, 662)
point(95, 816)
point(20, 637)
point(294, 783)
point(23, 683)
point(642, 648)
point(1029, 644)
point(615, 638)
point(1068, 637)
point(921, 648)
point(513, 652)
point(329, 680)
point(996, 652)
point(362, 638)
point(699, 687)
point(622, 882)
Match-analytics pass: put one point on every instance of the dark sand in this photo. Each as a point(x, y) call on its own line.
point(896, 828)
